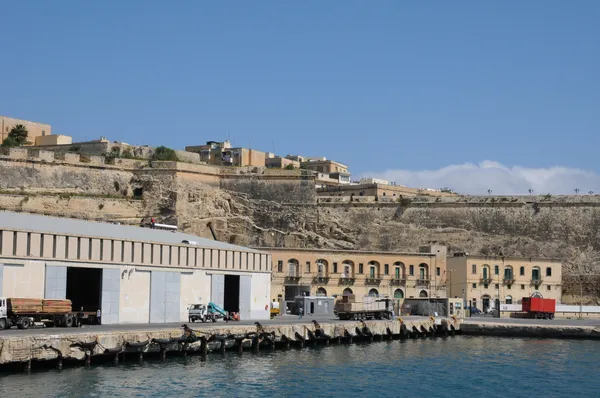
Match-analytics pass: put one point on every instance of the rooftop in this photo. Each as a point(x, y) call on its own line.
point(341, 251)
point(68, 226)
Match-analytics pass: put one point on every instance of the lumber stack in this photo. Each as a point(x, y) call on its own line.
point(25, 305)
point(56, 306)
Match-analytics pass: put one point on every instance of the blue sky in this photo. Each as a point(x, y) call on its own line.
point(382, 86)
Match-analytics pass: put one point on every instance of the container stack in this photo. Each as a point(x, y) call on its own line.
point(56, 306)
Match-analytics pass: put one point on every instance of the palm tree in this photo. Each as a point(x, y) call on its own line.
point(489, 191)
point(530, 191)
point(576, 191)
point(17, 136)
point(591, 192)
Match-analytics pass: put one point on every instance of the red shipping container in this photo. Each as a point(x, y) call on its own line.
point(536, 304)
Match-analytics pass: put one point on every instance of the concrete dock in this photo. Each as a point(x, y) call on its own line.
point(566, 329)
point(115, 345)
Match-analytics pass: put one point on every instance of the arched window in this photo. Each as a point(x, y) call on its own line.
point(373, 269)
point(293, 267)
point(348, 269)
point(423, 293)
point(486, 271)
point(508, 273)
point(398, 294)
point(373, 293)
point(347, 292)
point(508, 300)
point(322, 268)
point(321, 291)
point(399, 270)
point(423, 271)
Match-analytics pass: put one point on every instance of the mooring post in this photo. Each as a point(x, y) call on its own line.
point(27, 366)
point(140, 356)
point(240, 344)
point(222, 348)
point(88, 358)
point(163, 353)
point(116, 359)
point(59, 363)
point(255, 344)
point(350, 340)
point(203, 346)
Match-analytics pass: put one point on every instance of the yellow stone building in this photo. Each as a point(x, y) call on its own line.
point(482, 280)
point(343, 272)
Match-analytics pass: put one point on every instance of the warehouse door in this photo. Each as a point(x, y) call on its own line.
point(111, 291)
point(55, 286)
point(165, 297)
point(245, 297)
point(217, 290)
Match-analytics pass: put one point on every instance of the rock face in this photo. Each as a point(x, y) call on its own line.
point(277, 208)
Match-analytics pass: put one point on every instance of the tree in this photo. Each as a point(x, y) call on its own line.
point(17, 136)
point(164, 153)
point(289, 167)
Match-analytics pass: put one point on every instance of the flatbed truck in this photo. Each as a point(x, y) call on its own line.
point(24, 312)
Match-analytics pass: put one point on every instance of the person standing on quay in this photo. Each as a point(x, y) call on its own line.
point(98, 316)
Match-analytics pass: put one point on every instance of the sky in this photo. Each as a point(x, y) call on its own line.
point(471, 95)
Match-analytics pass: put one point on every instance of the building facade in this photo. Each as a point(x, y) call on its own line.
point(34, 129)
point(342, 272)
point(482, 280)
point(132, 274)
point(323, 165)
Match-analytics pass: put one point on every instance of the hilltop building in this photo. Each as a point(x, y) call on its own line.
point(38, 133)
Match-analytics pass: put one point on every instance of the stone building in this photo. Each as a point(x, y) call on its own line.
point(34, 129)
point(132, 274)
point(482, 280)
point(342, 272)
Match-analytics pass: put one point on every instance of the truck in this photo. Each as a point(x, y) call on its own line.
point(24, 312)
point(368, 307)
point(205, 313)
point(539, 308)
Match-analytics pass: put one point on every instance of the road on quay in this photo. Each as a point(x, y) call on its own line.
point(280, 320)
point(525, 321)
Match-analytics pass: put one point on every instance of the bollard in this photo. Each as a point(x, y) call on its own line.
point(240, 346)
point(255, 344)
point(88, 358)
point(203, 346)
point(27, 366)
point(59, 363)
point(140, 356)
point(163, 353)
point(116, 359)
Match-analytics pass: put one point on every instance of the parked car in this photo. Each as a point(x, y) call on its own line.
point(474, 310)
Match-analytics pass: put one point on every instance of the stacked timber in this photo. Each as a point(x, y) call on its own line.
point(351, 304)
point(53, 306)
point(25, 305)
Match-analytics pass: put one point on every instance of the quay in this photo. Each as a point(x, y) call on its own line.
point(50, 348)
point(558, 329)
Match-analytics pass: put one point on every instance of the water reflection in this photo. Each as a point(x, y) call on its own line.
point(477, 366)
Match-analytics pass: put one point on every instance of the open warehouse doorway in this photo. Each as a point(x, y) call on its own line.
point(84, 288)
point(231, 299)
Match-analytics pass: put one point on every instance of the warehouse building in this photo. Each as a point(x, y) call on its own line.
point(132, 274)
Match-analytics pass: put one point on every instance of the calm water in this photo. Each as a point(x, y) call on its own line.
point(454, 367)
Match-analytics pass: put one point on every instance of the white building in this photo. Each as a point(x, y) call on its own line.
point(133, 274)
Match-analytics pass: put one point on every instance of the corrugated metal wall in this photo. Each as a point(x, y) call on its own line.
point(245, 297)
point(56, 282)
point(217, 289)
point(111, 292)
point(165, 296)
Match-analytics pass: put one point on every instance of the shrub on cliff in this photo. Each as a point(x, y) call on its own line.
point(164, 153)
point(17, 136)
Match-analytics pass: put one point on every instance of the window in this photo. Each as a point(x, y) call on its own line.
point(496, 270)
point(474, 285)
point(547, 287)
point(535, 274)
point(508, 300)
point(279, 266)
point(386, 269)
point(485, 285)
point(421, 273)
point(438, 271)
point(548, 271)
point(411, 270)
point(485, 272)
point(522, 287)
point(372, 272)
point(473, 268)
point(397, 273)
point(360, 268)
point(496, 286)
point(335, 268)
point(522, 271)
point(308, 266)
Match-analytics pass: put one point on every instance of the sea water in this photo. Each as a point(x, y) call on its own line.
point(450, 367)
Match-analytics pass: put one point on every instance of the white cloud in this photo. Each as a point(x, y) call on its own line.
point(476, 179)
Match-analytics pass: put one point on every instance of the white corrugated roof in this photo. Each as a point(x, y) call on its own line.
point(69, 226)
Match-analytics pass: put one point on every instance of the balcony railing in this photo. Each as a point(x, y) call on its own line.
point(346, 280)
point(372, 281)
point(485, 280)
point(536, 281)
point(509, 281)
point(292, 278)
point(398, 282)
point(422, 282)
point(320, 280)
